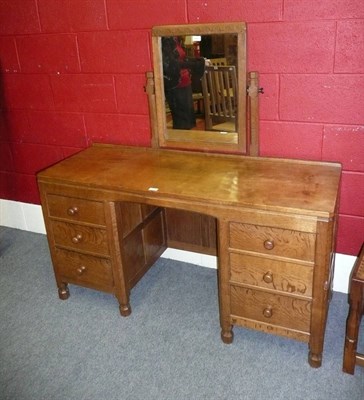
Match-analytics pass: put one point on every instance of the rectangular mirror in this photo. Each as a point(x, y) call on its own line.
point(200, 86)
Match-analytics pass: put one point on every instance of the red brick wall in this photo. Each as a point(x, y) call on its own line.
point(72, 72)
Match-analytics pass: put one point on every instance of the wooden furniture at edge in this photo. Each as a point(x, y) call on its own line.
point(356, 310)
point(104, 212)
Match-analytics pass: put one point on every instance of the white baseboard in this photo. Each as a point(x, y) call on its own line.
point(24, 216)
point(28, 217)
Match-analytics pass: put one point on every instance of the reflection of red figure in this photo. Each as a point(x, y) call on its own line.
point(196, 49)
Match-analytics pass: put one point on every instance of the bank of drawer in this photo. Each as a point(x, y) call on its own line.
point(274, 241)
point(74, 209)
point(279, 310)
point(82, 268)
point(272, 274)
point(80, 237)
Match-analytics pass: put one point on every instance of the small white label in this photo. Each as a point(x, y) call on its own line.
point(153, 189)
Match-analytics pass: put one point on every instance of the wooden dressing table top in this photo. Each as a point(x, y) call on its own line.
point(225, 180)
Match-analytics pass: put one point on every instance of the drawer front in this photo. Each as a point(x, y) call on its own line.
point(279, 310)
point(76, 210)
point(273, 274)
point(80, 237)
point(82, 268)
point(273, 241)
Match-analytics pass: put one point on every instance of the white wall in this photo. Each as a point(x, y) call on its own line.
point(29, 217)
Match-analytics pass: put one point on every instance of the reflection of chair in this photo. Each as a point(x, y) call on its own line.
point(219, 87)
point(218, 62)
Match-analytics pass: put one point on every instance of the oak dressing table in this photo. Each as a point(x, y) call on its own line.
point(105, 207)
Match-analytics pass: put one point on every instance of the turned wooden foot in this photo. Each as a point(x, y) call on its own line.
point(352, 333)
point(356, 311)
point(63, 292)
point(349, 355)
point(125, 310)
point(227, 336)
point(315, 360)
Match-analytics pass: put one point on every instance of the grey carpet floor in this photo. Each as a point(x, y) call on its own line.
point(168, 348)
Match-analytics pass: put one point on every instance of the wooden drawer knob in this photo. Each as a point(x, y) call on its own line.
point(268, 277)
point(72, 211)
point(81, 270)
point(269, 244)
point(77, 239)
point(268, 312)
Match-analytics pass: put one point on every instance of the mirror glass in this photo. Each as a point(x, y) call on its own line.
point(200, 86)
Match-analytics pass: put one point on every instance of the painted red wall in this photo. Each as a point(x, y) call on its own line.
point(72, 73)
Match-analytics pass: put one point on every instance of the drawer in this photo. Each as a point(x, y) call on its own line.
point(82, 268)
point(272, 274)
point(279, 310)
point(273, 241)
point(77, 210)
point(80, 237)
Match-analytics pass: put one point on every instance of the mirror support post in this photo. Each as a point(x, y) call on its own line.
point(253, 113)
point(150, 90)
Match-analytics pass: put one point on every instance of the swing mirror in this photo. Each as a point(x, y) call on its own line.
point(218, 95)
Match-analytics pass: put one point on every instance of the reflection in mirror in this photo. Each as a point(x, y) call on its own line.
point(200, 86)
point(199, 78)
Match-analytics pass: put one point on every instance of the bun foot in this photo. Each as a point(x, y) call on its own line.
point(227, 337)
point(315, 360)
point(125, 310)
point(63, 292)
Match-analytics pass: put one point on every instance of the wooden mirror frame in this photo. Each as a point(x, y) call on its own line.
point(245, 141)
